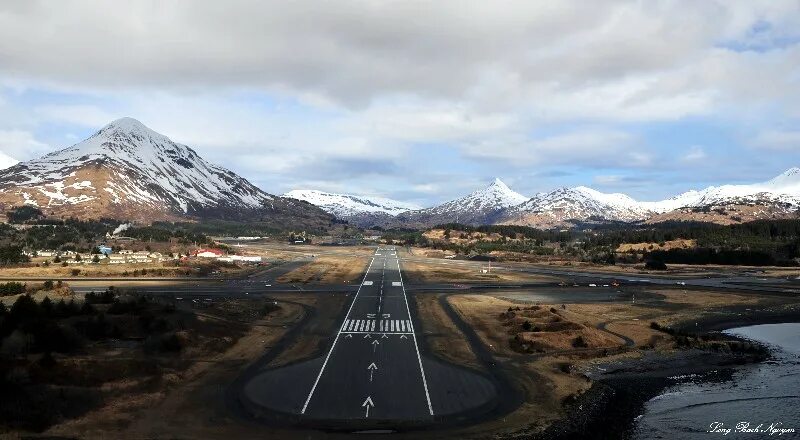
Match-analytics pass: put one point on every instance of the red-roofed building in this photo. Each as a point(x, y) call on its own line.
point(208, 253)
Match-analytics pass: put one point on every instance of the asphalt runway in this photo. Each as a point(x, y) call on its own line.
point(373, 374)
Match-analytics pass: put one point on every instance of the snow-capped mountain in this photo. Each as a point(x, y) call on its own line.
point(480, 207)
point(128, 171)
point(783, 189)
point(580, 203)
point(776, 198)
point(360, 210)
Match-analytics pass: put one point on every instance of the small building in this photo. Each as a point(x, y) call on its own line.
point(139, 258)
point(125, 252)
point(208, 253)
point(117, 259)
point(46, 253)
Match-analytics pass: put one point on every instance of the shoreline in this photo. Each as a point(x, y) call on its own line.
point(609, 409)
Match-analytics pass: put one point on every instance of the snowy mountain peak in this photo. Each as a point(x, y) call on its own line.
point(496, 194)
point(479, 207)
point(127, 124)
point(788, 179)
point(126, 170)
point(348, 205)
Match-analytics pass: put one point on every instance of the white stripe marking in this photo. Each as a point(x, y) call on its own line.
point(336, 339)
point(414, 337)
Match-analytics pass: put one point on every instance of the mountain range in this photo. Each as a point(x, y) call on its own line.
point(128, 171)
point(567, 207)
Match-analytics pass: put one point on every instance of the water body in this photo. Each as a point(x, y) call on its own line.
point(707, 407)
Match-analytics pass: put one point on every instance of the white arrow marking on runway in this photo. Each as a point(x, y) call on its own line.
point(384, 336)
point(403, 337)
point(372, 367)
point(349, 336)
point(367, 336)
point(368, 404)
point(375, 344)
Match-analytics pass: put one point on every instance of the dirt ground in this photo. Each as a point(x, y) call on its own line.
point(328, 269)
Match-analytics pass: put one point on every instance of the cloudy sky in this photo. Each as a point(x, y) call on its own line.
point(420, 101)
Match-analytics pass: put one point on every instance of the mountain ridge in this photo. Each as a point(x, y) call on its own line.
point(128, 171)
point(778, 197)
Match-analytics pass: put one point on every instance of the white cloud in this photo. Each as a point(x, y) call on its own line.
point(695, 154)
point(82, 115)
point(778, 140)
point(21, 144)
point(361, 83)
point(579, 147)
point(6, 161)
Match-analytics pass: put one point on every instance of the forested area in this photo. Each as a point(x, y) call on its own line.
point(759, 243)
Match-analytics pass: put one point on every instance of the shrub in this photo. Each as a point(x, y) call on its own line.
point(11, 288)
point(579, 342)
point(655, 265)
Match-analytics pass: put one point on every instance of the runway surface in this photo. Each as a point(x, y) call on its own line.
point(373, 373)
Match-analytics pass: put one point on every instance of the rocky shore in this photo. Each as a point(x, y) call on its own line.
point(621, 388)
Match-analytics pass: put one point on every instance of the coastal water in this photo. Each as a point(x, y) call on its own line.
point(750, 402)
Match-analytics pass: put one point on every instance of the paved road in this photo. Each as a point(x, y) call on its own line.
point(373, 368)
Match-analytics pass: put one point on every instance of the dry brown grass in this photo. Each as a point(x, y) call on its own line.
point(436, 272)
point(328, 269)
point(665, 246)
point(100, 270)
point(439, 331)
point(550, 377)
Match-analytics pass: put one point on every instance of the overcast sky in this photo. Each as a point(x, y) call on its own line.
point(420, 101)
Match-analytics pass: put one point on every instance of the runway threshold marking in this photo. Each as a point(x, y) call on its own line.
point(335, 340)
point(367, 327)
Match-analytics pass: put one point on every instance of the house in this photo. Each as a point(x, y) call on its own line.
point(125, 252)
point(208, 253)
point(139, 257)
point(117, 259)
point(158, 256)
point(47, 253)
